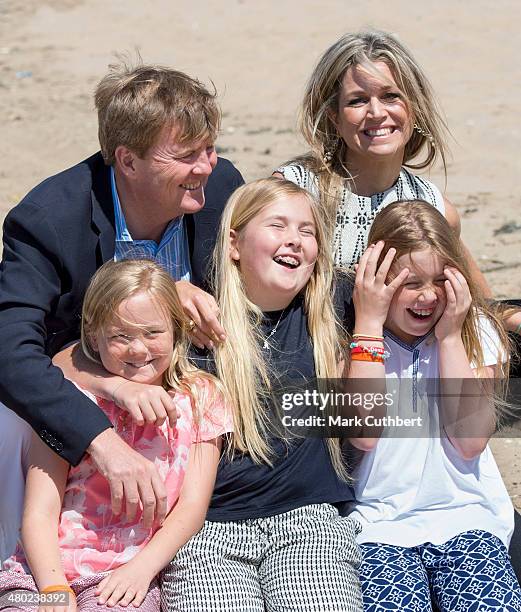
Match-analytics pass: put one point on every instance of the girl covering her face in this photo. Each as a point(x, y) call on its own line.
point(72, 542)
point(429, 495)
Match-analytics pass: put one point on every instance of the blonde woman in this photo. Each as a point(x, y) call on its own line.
point(273, 537)
point(370, 118)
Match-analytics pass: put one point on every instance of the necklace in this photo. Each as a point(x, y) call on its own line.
point(266, 344)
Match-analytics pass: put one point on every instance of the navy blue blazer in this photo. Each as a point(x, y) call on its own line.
point(54, 241)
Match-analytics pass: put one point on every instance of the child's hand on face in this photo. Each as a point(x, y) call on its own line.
point(372, 296)
point(458, 303)
point(146, 403)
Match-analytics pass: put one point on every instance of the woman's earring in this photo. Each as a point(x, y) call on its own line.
point(329, 152)
point(423, 132)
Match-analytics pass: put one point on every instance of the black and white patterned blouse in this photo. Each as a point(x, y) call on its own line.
point(356, 213)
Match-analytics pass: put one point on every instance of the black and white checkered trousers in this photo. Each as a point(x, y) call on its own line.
point(303, 560)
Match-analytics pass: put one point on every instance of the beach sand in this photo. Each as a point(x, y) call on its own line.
point(259, 55)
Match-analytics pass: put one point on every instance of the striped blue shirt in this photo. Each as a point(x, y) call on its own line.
point(172, 253)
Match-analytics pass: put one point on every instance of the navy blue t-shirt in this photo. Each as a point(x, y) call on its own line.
point(301, 471)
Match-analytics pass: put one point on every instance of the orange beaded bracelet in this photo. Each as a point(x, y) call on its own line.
point(367, 357)
point(57, 588)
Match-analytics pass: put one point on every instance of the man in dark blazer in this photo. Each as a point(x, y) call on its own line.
point(159, 166)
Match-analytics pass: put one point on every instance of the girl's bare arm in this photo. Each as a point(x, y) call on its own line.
point(45, 486)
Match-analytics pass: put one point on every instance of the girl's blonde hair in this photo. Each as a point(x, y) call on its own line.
point(415, 225)
point(117, 281)
point(321, 104)
point(241, 366)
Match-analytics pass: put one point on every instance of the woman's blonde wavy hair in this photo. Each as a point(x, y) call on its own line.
point(415, 225)
point(115, 282)
point(241, 365)
point(321, 104)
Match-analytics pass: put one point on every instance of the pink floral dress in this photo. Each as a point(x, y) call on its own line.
point(91, 539)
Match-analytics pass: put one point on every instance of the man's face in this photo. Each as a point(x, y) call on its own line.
point(171, 177)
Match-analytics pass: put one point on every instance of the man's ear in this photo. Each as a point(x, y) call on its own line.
point(125, 160)
point(234, 250)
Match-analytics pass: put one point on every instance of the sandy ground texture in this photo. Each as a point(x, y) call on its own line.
point(259, 55)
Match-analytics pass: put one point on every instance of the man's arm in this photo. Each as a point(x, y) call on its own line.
point(31, 278)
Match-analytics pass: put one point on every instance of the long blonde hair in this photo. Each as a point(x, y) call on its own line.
point(321, 100)
point(415, 225)
point(245, 373)
point(115, 282)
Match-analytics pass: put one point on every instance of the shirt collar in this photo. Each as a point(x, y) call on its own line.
point(122, 231)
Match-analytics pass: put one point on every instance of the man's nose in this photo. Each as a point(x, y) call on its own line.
point(203, 163)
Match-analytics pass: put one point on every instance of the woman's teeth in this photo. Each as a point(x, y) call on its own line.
point(379, 132)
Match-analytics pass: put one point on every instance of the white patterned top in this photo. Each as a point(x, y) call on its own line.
point(356, 213)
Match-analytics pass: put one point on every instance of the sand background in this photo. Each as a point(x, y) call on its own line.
point(259, 55)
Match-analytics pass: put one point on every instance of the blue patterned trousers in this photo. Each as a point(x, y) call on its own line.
point(469, 573)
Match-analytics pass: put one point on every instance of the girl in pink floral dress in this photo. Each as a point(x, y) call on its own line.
point(71, 542)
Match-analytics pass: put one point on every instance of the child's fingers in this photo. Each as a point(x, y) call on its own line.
point(139, 598)
point(128, 597)
point(451, 295)
point(101, 585)
point(360, 269)
point(105, 591)
point(158, 403)
point(385, 266)
point(117, 594)
point(459, 285)
point(135, 412)
point(148, 413)
point(399, 280)
point(461, 280)
point(372, 261)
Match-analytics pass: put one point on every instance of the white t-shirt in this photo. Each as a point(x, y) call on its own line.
point(413, 490)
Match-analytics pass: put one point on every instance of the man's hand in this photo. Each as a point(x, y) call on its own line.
point(204, 312)
point(131, 478)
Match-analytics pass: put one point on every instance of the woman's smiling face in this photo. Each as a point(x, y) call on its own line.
point(373, 117)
